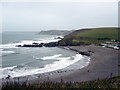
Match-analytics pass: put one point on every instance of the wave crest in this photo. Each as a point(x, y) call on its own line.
point(30, 42)
point(2, 53)
point(62, 63)
point(51, 57)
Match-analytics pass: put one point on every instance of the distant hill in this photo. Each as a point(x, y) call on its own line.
point(91, 35)
point(55, 32)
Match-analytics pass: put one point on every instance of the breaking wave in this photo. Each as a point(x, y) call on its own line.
point(30, 42)
point(62, 62)
point(3, 53)
point(51, 57)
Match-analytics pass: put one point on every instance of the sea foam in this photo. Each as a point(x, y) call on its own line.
point(51, 57)
point(30, 42)
point(2, 53)
point(8, 68)
point(62, 63)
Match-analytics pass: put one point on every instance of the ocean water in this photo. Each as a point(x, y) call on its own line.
point(22, 61)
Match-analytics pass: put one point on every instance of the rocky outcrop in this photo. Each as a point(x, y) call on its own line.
point(51, 44)
point(30, 45)
point(86, 53)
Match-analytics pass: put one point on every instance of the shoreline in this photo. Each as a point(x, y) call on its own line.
point(44, 76)
point(98, 67)
point(103, 64)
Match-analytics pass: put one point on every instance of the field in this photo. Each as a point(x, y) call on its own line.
point(91, 36)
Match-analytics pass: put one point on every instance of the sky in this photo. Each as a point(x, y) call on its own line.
point(37, 16)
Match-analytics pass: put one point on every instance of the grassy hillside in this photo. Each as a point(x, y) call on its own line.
point(93, 35)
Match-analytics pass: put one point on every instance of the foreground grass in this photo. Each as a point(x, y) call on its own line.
point(105, 83)
point(91, 36)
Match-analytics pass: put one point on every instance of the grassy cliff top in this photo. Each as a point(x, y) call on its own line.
point(91, 35)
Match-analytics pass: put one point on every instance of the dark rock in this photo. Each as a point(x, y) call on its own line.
point(34, 43)
point(8, 77)
point(51, 44)
point(90, 51)
point(84, 53)
point(42, 43)
point(19, 46)
point(58, 37)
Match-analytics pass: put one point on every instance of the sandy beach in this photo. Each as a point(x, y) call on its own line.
point(103, 64)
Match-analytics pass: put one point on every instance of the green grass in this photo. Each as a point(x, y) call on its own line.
point(111, 33)
point(107, 83)
point(93, 36)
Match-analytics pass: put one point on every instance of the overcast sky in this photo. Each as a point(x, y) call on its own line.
point(36, 16)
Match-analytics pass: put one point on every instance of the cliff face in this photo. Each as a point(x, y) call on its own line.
point(55, 32)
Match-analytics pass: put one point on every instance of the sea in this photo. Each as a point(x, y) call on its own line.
point(23, 61)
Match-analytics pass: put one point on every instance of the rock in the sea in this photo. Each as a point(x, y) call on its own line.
point(19, 45)
point(51, 44)
point(32, 45)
